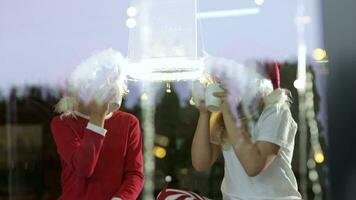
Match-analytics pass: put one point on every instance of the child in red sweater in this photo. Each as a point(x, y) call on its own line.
point(100, 147)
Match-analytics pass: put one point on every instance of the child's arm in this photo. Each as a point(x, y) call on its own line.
point(80, 154)
point(254, 157)
point(133, 168)
point(204, 153)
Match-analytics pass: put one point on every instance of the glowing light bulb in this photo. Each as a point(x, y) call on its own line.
point(159, 152)
point(131, 11)
point(313, 175)
point(168, 178)
point(144, 97)
point(184, 171)
point(319, 54)
point(259, 2)
point(306, 19)
point(130, 23)
point(191, 102)
point(319, 157)
point(311, 163)
point(298, 84)
point(162, 140)
point(168, 90)
point(316, 188)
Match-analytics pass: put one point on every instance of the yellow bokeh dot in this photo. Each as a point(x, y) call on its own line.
point(319, 157)
point(319, 54)
point(159, 152)
point(184, 171)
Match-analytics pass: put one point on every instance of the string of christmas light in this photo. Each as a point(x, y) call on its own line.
point(316, 152)
point(300, 85)
point(148, 112)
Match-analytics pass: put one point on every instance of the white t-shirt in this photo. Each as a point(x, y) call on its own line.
point(277, 182)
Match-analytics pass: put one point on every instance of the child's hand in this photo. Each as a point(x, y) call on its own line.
point(225, 103)
point(202, 107)
point(99, 109)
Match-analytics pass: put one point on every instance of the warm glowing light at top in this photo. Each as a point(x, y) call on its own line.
point(165, 69)
point(319, 54)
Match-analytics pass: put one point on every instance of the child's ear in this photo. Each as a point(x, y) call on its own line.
point(113, 107)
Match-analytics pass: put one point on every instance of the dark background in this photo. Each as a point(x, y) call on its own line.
point(340, 40)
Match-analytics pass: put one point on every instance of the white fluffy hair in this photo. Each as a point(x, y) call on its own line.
point(263, 89)
point(95, 78)
point(257, 88)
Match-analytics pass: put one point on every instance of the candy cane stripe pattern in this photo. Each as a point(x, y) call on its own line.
point(175, 194)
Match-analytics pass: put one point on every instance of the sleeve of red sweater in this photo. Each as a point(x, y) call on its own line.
point(133, 172)
point(81, 154)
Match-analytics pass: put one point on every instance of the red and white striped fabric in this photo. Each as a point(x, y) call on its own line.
point(175, 194)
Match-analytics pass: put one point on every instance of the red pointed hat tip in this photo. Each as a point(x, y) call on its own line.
point(273, 73)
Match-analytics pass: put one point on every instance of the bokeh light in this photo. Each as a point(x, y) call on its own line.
point(159, 152)
point(319, 157)
point(319, 54)
point(130, 23)
point(131, 11)
point(259, 2)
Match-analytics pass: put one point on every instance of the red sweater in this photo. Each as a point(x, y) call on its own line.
point(99, 167)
